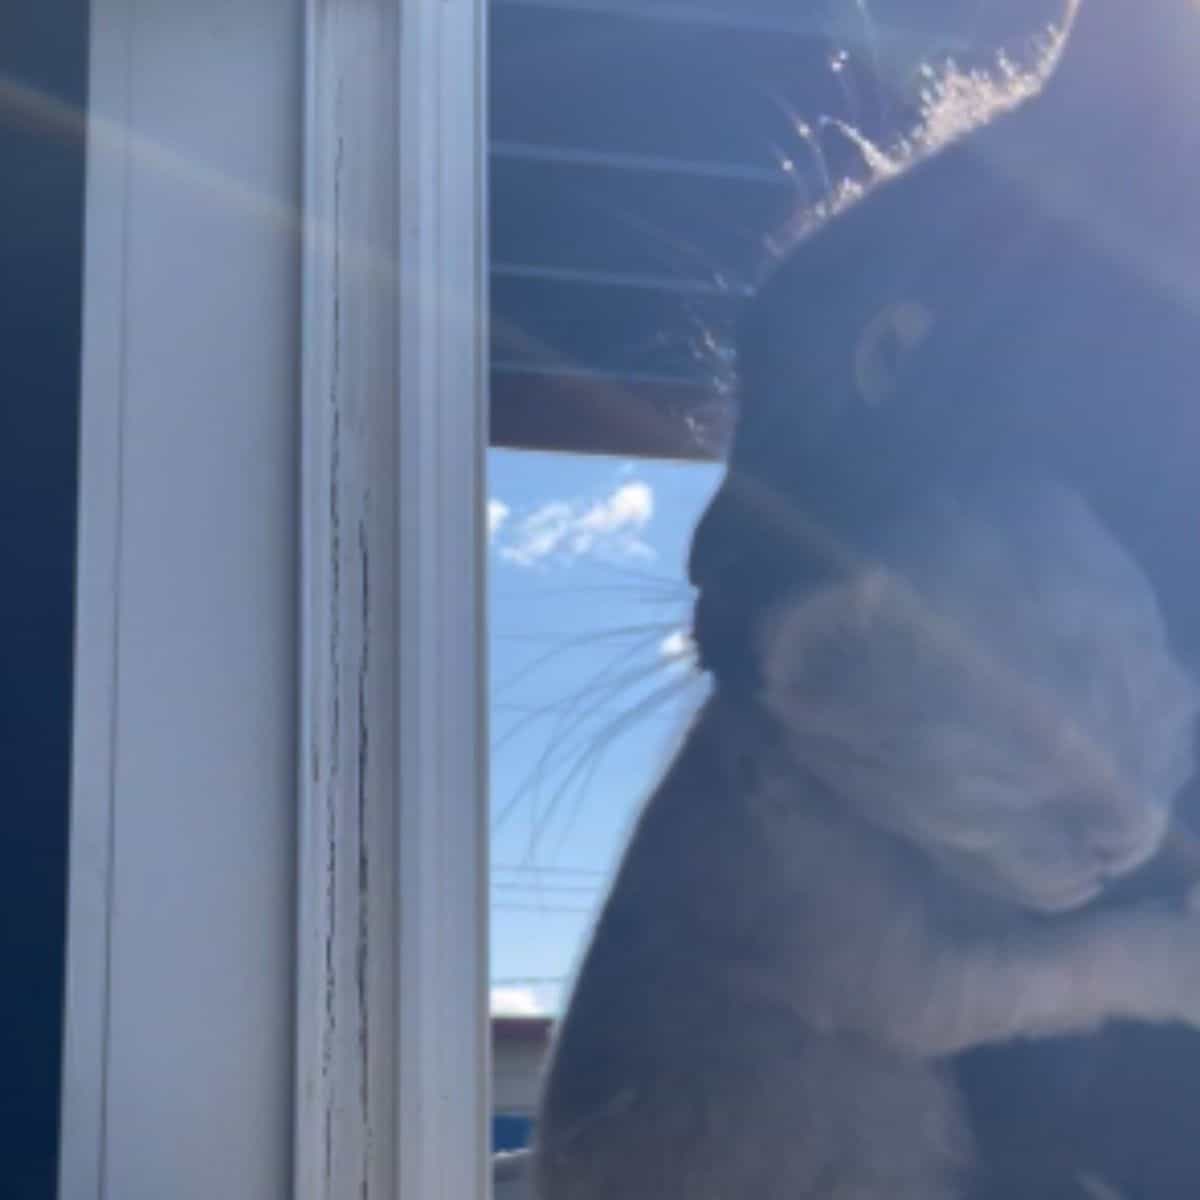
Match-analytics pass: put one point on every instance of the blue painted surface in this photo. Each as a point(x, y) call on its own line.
point(510, 1132)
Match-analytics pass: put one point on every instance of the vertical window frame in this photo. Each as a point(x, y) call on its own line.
point(377, 262)
point(392, 1047)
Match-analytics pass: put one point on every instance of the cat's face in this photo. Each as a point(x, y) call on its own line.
point(1000, 693)
point(1027, 297)
point(1024, 303)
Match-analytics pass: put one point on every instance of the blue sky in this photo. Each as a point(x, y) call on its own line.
point(590, 688)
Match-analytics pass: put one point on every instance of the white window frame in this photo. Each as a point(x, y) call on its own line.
point(277, 973)
point(395, 303)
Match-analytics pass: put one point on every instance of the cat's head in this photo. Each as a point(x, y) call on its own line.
point(1028, 297)
point(997, 689)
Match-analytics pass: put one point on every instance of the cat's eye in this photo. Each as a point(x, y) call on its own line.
point(890, 336)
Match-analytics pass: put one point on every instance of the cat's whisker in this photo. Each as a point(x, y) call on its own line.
point(572, 715)
point(586, 768)
point(646, 632)
point(871, 37)
point(569, 752)
point(643, 593)
point(642, 575)
point(806, 139)
point(565, 706)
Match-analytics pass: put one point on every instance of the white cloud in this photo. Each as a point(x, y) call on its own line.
point(630, 507)
point(677, 645)
point(515, 1002)
point(678, 651)
point(540, 534)
point(497, 514)
point(561, 530)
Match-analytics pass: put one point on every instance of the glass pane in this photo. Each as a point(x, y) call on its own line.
point(651, 165)
point(592, 684)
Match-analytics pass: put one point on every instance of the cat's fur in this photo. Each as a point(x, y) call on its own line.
point(846, 881)
point(838, 888)
point(1053, 257)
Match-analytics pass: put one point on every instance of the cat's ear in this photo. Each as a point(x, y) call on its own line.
point(836, 328)
point(1112, 139)
point(883, 346)
point(1143, 45)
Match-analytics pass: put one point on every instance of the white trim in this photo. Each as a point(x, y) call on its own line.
point(177, 1077)
point(184, 1075)
point(392, 1047)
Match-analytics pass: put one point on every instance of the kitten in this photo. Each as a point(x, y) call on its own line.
point(1026, 297)
point(867, 873)
point(879, 864)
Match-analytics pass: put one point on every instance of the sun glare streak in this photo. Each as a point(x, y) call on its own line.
point(44, 113)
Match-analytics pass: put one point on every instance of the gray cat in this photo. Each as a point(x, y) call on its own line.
point(935, 739)
point(879, 864)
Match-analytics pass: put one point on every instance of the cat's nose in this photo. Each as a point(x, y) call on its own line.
point(1113, 835)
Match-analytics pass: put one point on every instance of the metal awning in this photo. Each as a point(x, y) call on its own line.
point(643, 154)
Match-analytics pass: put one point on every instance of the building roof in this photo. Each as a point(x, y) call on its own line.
point(522, 1029)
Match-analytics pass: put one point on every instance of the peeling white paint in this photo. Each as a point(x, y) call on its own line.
point(391, 1048)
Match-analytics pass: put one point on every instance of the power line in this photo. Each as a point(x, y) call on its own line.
point(527, 980)
point(538, 869)
point(537, 885)
point(542, 908)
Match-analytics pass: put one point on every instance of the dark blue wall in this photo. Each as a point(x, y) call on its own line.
point(43, 46)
